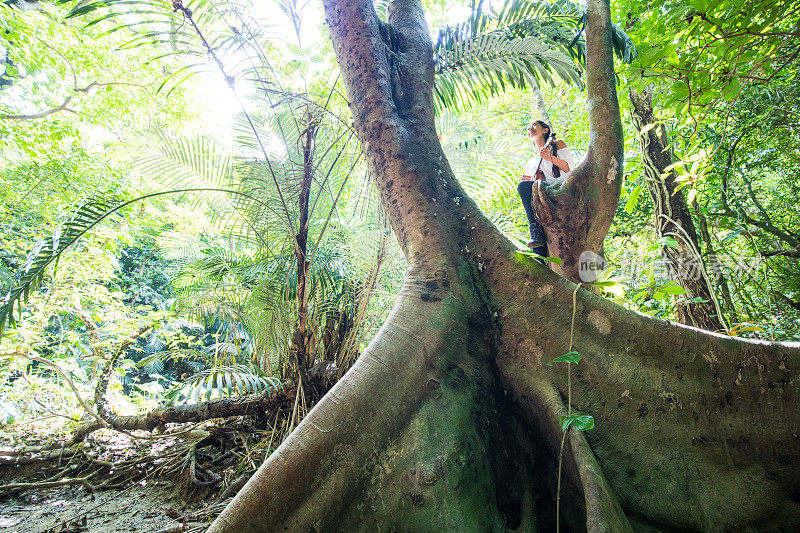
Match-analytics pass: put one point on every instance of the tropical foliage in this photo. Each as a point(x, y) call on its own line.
point(252, 247)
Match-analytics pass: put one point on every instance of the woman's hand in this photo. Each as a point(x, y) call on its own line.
point(545, 154)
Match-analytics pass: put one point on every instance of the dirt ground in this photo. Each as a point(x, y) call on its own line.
point(158, 482)
point(142, 507)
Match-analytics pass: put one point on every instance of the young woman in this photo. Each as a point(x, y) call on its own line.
point(549, 163)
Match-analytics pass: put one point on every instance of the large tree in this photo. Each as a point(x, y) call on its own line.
point(449, 420)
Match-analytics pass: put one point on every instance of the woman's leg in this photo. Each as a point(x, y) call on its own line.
point(537, 241)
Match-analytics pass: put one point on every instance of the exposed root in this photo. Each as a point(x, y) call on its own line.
point(603, 511)
point(198, 475)
point(222, 459)
point(115, 472)
point(223, 408)
point(174, 529)
point(35, 455)
point(232, 489)
point(19, 487)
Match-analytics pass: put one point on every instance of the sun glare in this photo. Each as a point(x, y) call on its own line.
point(220, 105)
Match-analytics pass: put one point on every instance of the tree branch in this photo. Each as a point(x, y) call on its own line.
point(64, 105)
point(94, 333)
point(42, 114)
point(785, 299)
point(356, 35)
point(784, 253)
point(766, 226)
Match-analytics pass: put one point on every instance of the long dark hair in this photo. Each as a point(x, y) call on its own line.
point(553, 147)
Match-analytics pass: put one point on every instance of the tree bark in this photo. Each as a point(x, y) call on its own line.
point(303, 359)
point(674, 219)
point(577, 210)
point(448, 420)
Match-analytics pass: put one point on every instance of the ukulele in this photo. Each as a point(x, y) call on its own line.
point(539, 175)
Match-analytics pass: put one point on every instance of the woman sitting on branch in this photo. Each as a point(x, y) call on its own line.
point(553, 160)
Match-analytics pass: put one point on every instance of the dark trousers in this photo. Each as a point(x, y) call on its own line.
point(525, 190)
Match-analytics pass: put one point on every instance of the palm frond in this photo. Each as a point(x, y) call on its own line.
point(484, 55)
point(485, 166)
point(503, 222)
point(86, 215)
point(222, 381)
point(529, 40)
point(381, 7)
point(156, 24)
point(247, 212)
point(562, 20)
point(624, 48)
point(486, 65)
point(187, 162)
point(154, 363)
point(451, 126)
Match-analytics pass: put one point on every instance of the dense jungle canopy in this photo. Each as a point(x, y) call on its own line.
point(272, 253)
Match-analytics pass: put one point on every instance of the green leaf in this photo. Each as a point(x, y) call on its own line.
point(295, 49)
point(604, 284)
point(148, 360)
point(581, 421)
point(633, 199)
point(571, 357)
point(691, 196)
point(647, 128)
point(555, 260)
point(639, 296)
point(673, 289)
point(668, 241)
point(744, 327)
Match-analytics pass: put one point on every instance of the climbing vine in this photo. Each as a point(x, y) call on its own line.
point(581, 421)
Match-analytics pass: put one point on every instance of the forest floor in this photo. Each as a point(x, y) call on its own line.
point(142, 507)
point(144, 484)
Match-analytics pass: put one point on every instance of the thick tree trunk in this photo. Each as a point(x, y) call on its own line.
point(448, 420)
point(577, 210)
point(674, 219)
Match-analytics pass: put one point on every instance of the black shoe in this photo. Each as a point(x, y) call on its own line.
point(540, 250)
point(537, 236)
